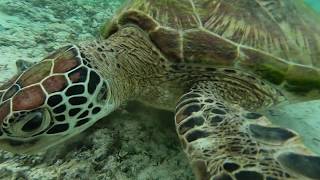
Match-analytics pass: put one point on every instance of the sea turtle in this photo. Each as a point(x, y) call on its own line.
point(219, 64)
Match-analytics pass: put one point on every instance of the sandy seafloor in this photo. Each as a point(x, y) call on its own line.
point(134, 142)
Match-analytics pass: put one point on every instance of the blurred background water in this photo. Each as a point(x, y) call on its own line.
point(314, 3)
point(30, 29)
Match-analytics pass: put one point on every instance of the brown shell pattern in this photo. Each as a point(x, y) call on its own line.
point(283, 28)
point(271, 38)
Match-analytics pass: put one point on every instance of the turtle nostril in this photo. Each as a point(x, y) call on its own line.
point(34, 123)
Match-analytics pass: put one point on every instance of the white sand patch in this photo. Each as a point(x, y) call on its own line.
point(303, 118)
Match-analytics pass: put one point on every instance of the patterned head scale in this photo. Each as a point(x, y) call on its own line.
point(54, 99)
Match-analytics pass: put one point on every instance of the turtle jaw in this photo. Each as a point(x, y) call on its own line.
point(49, 135)
point(31, 146)
point(19, 132)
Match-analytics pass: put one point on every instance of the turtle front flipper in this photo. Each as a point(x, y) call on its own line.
point(225, 141)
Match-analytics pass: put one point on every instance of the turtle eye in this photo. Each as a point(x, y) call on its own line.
point(33, 123)
point(27, 124)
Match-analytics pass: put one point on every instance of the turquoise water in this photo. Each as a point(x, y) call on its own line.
point(315, 4)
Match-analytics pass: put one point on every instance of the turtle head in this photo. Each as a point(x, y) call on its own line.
point(52, 100)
